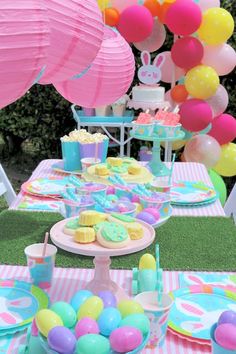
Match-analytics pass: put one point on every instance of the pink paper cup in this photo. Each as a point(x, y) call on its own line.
point(160, 186)
point(41, 268)
point(89, 161)
point(157, 314)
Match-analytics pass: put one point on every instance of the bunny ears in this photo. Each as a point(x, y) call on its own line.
point(146, 59)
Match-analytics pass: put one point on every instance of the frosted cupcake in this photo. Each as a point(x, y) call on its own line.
point(167, 124)
point(119, 106)
point(144, 124)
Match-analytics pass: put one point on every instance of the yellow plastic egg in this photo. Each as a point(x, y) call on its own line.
point(46, 320)
point(129, 307)
point(92, 308)
point(147, 261)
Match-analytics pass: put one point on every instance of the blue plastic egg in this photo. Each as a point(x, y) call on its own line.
point(79, 298)
point(109, 320)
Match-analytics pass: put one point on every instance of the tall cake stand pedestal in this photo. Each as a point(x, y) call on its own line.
point(102, 256)
point(157, 167)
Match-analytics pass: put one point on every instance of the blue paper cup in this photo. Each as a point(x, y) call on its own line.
point(159, 201)
point(216, 348)
point(143, 129)
point(71, 155)
point(71, 208)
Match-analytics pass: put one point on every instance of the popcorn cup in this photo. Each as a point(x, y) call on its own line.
point(216, 348)
point(89, 161)
point(89, 150)
point(157, 314)
point(41, 267)
point(71, 155)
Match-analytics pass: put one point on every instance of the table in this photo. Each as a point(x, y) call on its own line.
point(182, 171)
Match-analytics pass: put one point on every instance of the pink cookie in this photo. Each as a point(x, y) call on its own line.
point(154, 212)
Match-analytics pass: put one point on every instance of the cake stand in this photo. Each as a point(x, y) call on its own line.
point(102, 261)
point(157, 167)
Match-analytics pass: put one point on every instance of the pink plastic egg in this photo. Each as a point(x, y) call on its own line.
point(225, 335)
point(125, 339)
point(227, 317)
point(146, 217)
point(86, 325)
point(154, 212)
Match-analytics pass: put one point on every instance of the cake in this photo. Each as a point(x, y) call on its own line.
point(148, 94)
point(84, 235)
point(113, 235)
point(91, 217)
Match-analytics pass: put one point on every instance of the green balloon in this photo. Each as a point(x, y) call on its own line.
point(219, 185)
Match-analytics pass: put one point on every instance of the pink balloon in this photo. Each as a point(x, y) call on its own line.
point(24, 33)
point(208, 4)
point(123, 4)
point(109, 77)
point(183, 17)
point(168, 67)
point(222, 58)
point(135, 23)
point(203, 149)
point(223, 129)
point(187, 52)
point(155, 40)
point(219, 102)
point(195, 115)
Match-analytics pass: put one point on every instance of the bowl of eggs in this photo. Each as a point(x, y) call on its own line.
point(223, 334)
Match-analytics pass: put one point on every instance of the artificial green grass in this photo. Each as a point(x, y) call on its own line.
point(186, 243)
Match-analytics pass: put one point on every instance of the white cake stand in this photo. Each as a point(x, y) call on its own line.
point(102, 261)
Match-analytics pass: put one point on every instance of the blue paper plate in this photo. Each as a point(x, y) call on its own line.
point(189, 193)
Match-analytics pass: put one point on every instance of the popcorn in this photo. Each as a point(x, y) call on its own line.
point(83, 137)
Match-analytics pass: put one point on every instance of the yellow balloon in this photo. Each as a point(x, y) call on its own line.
point(202, 82)
point(217, 26)
point(226, 166)
point(176, 145)
point(92, 308)
point(147, 261)
point(129, 307)
point(46, 320)
point(103, 4)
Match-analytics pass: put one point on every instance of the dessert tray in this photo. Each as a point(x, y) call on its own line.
point(192, 193)
point(59, 167)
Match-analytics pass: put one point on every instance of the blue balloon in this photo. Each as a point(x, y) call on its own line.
point(79, 298)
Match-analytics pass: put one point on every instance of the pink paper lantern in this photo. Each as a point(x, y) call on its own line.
point(208, 4)
point(223, 129)
point(75, 38)
point(135, 23)
point(219, 102)
point(222, 58)
point(187, 52)
point(24, 41)
point(195, 115)
point(155, 40)
point(168, 68)
point(183, 17)
point(109, 77)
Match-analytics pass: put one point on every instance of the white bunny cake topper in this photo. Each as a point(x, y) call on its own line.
point(150, 74)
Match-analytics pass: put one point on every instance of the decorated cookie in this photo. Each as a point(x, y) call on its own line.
point(91, 217)
point(101, 170)
point(71, 226)
point(114, 161)
point(119, 169)
point(134, 169)
point(120, 218)
point(84, 235)
point(113, 235)
point(100, 225)
point(135, 230)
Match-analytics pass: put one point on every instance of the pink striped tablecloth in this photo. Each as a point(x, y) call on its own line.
point(183, 171)
point(68, 280)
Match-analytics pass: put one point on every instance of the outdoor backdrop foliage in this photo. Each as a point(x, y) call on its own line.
point(42, 116)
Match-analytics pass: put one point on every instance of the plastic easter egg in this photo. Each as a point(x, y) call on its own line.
point(112, 198)
point(138, 207)
point(109, 320)
point(108, 298)
point(227, 317)
point(62, 340)
point(147, 261)
point(79, 298)
point(92, 308)
point(125, 339)
point(92, 343)
point(86, 326)
point(46, 320)
point(225, 335)
point(146, 217)
point(138, 321)
point(65, 312)
point(129, 307)
point(154, 212)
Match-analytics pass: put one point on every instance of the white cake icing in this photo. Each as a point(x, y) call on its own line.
point(145, 93)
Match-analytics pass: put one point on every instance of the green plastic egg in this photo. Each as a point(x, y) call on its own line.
point(92, 343)
point(46, 320)
point(138, 321)
point(66, 312)
point(129, 307)
point(92, 308)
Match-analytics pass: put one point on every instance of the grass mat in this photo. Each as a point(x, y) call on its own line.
point(186, 243)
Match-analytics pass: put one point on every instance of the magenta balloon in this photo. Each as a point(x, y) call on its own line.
point(187, 52)
point(155, 40)
point(135, 23)
point(24, 41)
point(219, 102)
point(122, 4)
point(109, 77)
point(222, 58)
point(208, 4)
point(195, 115)
point(223, 129)
point(168, 67)
point(183, 17)
point(203, 149)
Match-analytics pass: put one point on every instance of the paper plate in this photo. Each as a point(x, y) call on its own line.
point(186, 192)
point(47, 187)
point(197, 308)
point(19, 302)
point(59, 167)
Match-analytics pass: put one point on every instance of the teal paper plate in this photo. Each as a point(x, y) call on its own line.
point(191, 193)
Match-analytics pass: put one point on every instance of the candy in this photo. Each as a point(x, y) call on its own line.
point(85, 326)
point(109, 320)
point(92, 343)
point(79, 298)
point(92, 308)
point(125, 339)
point(46, 320)
point(138, 321)
point(129, 307)
point(62, 340)
point(225, 335)
point(146, 217)
point(227, 317)
point(65, 312)
point(109, 300)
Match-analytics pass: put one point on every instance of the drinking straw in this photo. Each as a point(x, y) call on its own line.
point(96, 152)
point(171, 169)
point(176, 109)
point(71, 192)
point(157, 251)
point(65, 195)
point(159, 285)
point(144, 190)
point(45, 244)
point(75, 181)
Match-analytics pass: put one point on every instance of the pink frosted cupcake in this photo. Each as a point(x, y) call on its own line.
point(167, 124)
point(144, 124)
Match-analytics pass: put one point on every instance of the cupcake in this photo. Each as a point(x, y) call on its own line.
point(167, 124)
point(119, 106)
point(144, 124)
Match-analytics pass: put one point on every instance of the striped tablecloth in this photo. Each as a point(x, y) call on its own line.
point(183, 171)
point(68, 280)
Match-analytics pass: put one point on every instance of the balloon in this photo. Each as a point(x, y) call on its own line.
point(222, 58)
point(168, 67)
point(153, 6)
point(203, 149)
point(162, 12)
point(183, 17)
point(135, 24)
point(176, 145)
point(207, 4)
point(123, 4)
point(103, 4)
point(202, 82)
point(226, 165)
point(187, 52)
point(217, 26)
point(99, 85)
point(155, 40)
point(179, 93)
point(223, 129)
point(195, 115)
point(46, 320)
point(111, 16)
point(219, 185)
point(219, 101)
